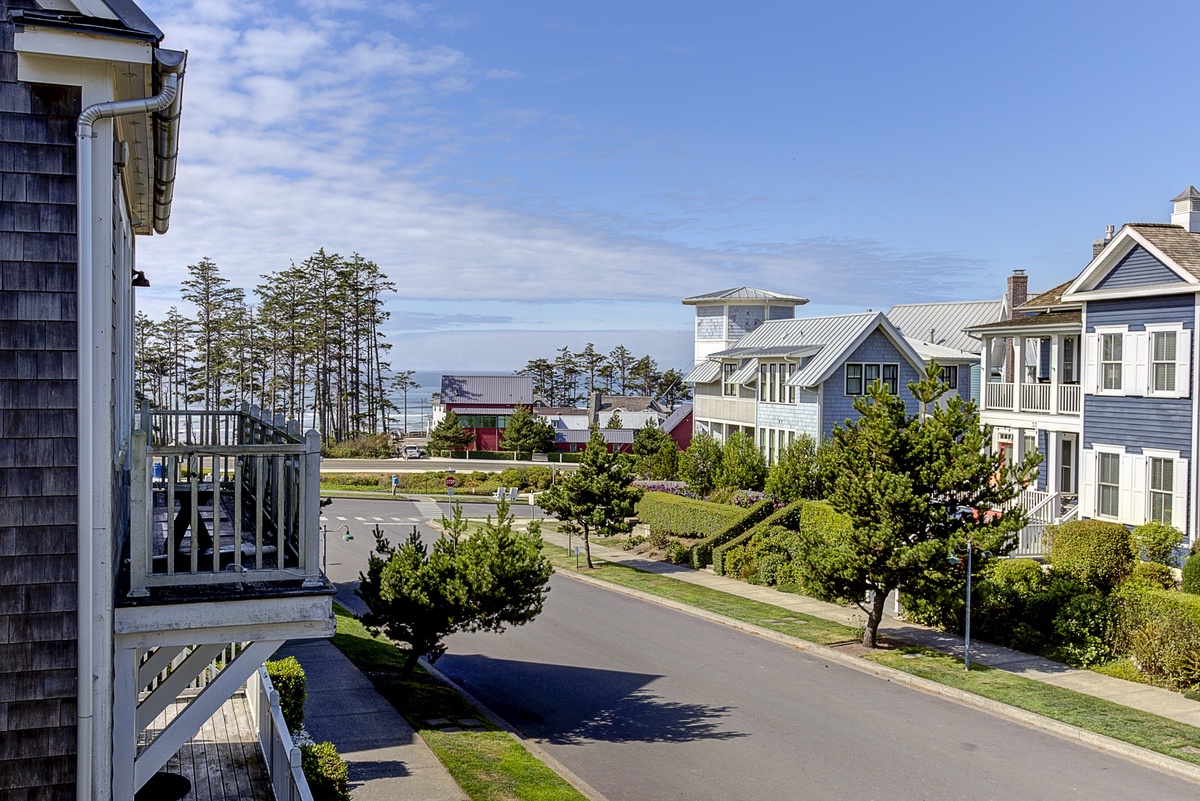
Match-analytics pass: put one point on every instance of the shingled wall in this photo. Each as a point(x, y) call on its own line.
point(38, 450)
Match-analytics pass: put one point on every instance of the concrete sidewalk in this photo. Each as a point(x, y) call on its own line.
point(1138, 696)
point(388, 761)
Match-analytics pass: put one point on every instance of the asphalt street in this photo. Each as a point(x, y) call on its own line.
point(643, 702)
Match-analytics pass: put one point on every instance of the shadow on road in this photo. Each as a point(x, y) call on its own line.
point(571, 705)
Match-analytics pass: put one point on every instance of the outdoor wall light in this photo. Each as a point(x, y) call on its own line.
point(139, 279)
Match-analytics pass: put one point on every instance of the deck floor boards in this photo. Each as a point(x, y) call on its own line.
point(222, 761)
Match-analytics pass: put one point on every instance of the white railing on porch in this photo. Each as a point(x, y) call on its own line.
point(280, 753)
point(1042, 510)
point(1032, 397)
point(1070, 398)
point(259, 470)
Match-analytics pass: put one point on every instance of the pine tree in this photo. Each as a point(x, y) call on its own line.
point(902, 480)
point(655, 453)
point(598, 498)
point(742, 465)
point(217, 305)
point(644, 376)
point(449, 435)
point(700, 465)
point(527, 432)
point(797, 474)
point(621, 360)
point(614, 421)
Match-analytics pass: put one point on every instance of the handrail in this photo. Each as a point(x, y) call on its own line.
point(280, 753)
point(262, 479)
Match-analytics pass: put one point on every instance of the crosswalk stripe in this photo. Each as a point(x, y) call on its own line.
point(398, 519)
point(380, 519)
point(361, 519)
point(324, 519)
point(341, 518)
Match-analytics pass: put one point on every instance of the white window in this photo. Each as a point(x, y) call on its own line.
point(891, 378)
point(1108, 485)
point(791, 370)
point(1168, 367)
point(1111, 360)
point(762, 382)
point(1162, 490)
point(950, 376)
point(774, 383)
point(860, 377)
point(1068, 361)
point(1162, 364)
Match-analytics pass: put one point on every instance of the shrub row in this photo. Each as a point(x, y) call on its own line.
point(368, 446)
point(684, 517)
point(434, 481)
point(788, 517)
point(1160, 631)
point(702, 551)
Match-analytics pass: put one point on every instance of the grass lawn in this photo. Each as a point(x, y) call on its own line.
point(1093, 714)
point(793, 624)
point(489, 765)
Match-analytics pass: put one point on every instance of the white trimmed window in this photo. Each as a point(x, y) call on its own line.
point(728, 388)
point(1162, 361)
point(1162, 489)
point(860, 377)
point(854, 379)
point(950, 376)
point(1112, 347)
point(791, 391)
point(1108, 485)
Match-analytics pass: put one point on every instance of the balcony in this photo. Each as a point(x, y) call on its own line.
point(223, 498)
point(1039, 398)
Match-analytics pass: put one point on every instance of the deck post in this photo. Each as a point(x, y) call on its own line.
point(310, 508)
point(141, 511)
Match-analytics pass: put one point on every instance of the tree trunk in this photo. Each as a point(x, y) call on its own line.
point(410, 664)
point(587, 549)
point(874, 616)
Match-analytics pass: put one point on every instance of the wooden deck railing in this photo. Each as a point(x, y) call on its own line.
point(1032, 397)
point(259, 476)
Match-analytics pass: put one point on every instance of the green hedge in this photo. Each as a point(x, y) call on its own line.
point(683, 517)
point(1099, 554)
point(1160, 631)
point(326, 772)
point(287, 676)
point(788, 517)
point(1191, 574)
point(702, 551)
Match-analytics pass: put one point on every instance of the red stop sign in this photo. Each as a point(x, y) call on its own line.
point(451, 481)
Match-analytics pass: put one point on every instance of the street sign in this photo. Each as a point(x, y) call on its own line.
point(451, 481)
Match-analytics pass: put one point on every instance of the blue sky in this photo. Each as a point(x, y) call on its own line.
point(534, 174)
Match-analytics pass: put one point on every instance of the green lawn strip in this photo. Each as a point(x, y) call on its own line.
point(1133, 726)
point(784, 621)
point(1123, 723)
point(489, 765)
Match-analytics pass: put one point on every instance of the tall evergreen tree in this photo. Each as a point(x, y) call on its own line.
point(449, 435)
point(527, 432)
point(621, 360)
point(217, 305)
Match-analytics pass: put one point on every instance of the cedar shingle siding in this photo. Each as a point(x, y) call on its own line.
point(38, 451)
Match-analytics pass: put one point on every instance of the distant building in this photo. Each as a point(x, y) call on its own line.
point(483, 404)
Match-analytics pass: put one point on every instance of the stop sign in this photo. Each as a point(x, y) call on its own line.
point(451, 481)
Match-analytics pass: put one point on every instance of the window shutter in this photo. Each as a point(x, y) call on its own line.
point(1125, 495)
point(1183, 364)
point(1137, 380)
point(1087, 483)
point(1135, 514)
point(1179, 505)
point(1091, 364)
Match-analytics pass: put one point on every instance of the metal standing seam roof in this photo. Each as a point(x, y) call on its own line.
point(703, 373)
point(496, 390)
point(124, 18)
point(678, 416)
point(744, 293)
point(945, 321)
point(613, 436)
point(830, 339)
point(748, 374)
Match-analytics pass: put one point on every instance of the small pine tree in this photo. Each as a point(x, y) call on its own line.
point(449, 435)
point(655, 453)
point(742, 465)
point(614, 421)
point(598, 498)
point(527, 432)
point(796, 475)
point(700, 465)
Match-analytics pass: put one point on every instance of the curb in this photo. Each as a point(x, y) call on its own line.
point(1100, 742)
point(568, 775)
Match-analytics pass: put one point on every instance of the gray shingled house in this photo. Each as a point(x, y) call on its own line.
point(131, 541)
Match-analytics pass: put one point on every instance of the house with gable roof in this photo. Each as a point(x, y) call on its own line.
point(791, 377)
point(1096, 375)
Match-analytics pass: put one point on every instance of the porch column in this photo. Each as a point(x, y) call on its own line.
point(1055, 341)
point(1018, 377)
point(1053, 447)
point(985, 371)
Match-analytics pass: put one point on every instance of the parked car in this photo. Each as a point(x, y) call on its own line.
point(412, 452)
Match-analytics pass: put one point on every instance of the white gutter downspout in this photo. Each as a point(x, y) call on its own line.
point(87, 528)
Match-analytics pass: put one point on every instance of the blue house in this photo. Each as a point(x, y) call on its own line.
point(790, 377)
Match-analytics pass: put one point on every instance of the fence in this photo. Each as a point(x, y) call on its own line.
point(279, 752)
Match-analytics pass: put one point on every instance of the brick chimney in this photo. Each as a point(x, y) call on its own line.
point(1018, 291)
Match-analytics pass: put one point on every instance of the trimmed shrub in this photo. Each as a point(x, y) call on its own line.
point(1160, 632)
point(1191, 575)
point(326, 772)
point(1084, 626)
point(1097, 553)
point(1017, 605)
point(1152, 574)
point(677, 553)
point(788, 517)
point(1157, 542)
point(702, 551)
point(684, 517)
point(367, 446)
point(287, 676)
